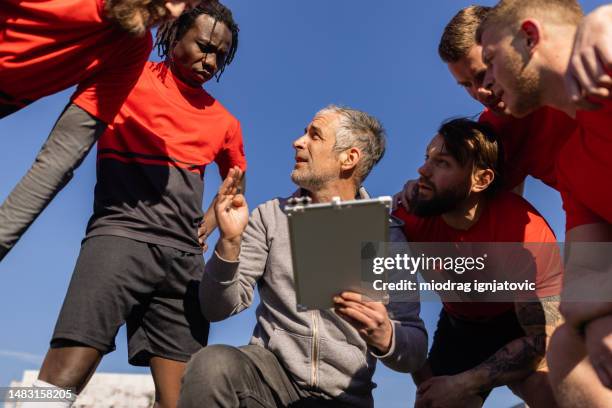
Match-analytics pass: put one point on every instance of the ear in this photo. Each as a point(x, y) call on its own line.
point(349, 158)
point(532, 33)
point(482, 179)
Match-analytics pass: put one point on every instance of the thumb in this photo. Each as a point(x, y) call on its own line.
point(238, 201)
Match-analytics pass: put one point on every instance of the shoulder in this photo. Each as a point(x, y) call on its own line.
point(271, 210)
point(521, 217)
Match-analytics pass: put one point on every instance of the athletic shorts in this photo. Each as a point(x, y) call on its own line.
point(152, 288)
point(460, 345)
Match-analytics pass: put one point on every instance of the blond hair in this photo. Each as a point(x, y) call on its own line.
point(507, 14)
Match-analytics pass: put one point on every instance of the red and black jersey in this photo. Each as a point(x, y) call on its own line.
point(151, 161)
point(48, 46)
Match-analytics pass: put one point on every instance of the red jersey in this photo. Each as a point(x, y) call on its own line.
point(507, 217)
point(48, 46)
point(531, 144)
point(585, 169)
point(151, 161)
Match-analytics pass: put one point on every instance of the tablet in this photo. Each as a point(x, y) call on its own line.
point(329, 242)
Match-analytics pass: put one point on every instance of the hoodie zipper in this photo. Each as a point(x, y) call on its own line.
point(315, 351)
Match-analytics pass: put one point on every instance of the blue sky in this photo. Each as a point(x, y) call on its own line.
point(294, 58)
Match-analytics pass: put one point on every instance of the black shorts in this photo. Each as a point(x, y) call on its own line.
point(152, 288)
point(460, 345)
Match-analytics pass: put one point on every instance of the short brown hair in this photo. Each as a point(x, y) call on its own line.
point(472, 142)
point(509, 13)
point(459, 35)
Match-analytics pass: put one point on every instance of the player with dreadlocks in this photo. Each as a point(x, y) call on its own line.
point(140, 262)
point(48, 46)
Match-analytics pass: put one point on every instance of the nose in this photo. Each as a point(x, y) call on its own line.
point(299, 142)
point(484, 93)
point(488, 81)
point(424, 170)
point(209, 61)
point(175, 8)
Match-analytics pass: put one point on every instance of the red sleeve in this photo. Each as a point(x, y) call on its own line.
point(577, 214)
point(412, 224)
point(103, 94)
point(233, 151)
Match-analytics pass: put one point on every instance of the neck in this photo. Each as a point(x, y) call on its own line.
point(345, 189)
point(554, 70)
point(467, 214)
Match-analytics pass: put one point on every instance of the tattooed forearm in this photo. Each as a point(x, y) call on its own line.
point(521, 357)
point(513, 362)
point(539, 317)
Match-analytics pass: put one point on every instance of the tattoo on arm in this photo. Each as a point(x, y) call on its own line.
point(514, 361)
point(539, 317)
point(522, 356)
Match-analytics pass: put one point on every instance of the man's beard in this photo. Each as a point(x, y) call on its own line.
point(526, 86)
point(440, 203)
point(308, 180)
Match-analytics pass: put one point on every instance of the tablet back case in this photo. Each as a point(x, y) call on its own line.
point(328, 245)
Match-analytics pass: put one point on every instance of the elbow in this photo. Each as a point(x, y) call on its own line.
point(420, 351)
point(211, 314)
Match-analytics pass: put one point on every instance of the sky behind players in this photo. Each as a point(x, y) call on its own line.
point(294, 58)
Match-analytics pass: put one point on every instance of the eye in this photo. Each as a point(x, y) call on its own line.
point(442, 163)
point(206, 48)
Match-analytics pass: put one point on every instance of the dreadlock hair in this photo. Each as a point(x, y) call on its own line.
point(173, 31)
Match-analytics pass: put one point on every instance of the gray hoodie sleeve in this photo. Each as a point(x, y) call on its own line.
point(227, 287)
point(409, 343)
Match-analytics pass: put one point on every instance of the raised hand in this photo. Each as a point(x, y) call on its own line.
point(589, 73)
point(403, 197)
point(232, 215)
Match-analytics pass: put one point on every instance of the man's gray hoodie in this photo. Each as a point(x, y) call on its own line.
point(320, 350)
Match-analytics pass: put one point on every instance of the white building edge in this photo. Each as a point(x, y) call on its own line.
point(104, 390)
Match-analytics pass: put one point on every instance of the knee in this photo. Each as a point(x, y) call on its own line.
point(213, 363)
point(565, 349)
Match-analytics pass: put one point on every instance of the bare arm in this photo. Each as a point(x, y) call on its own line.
point(590, 68)
point(522, 356)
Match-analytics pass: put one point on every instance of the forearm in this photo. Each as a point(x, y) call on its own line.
point(222, 292)
point(408, 348)
point(68, 144)
point(513, 362)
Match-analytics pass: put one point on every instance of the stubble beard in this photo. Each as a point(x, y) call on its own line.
point(307, 179)
point(526, 87)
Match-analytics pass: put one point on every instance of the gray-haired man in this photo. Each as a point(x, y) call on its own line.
point(314, 358)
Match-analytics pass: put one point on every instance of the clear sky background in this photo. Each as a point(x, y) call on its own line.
point(294, 58)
